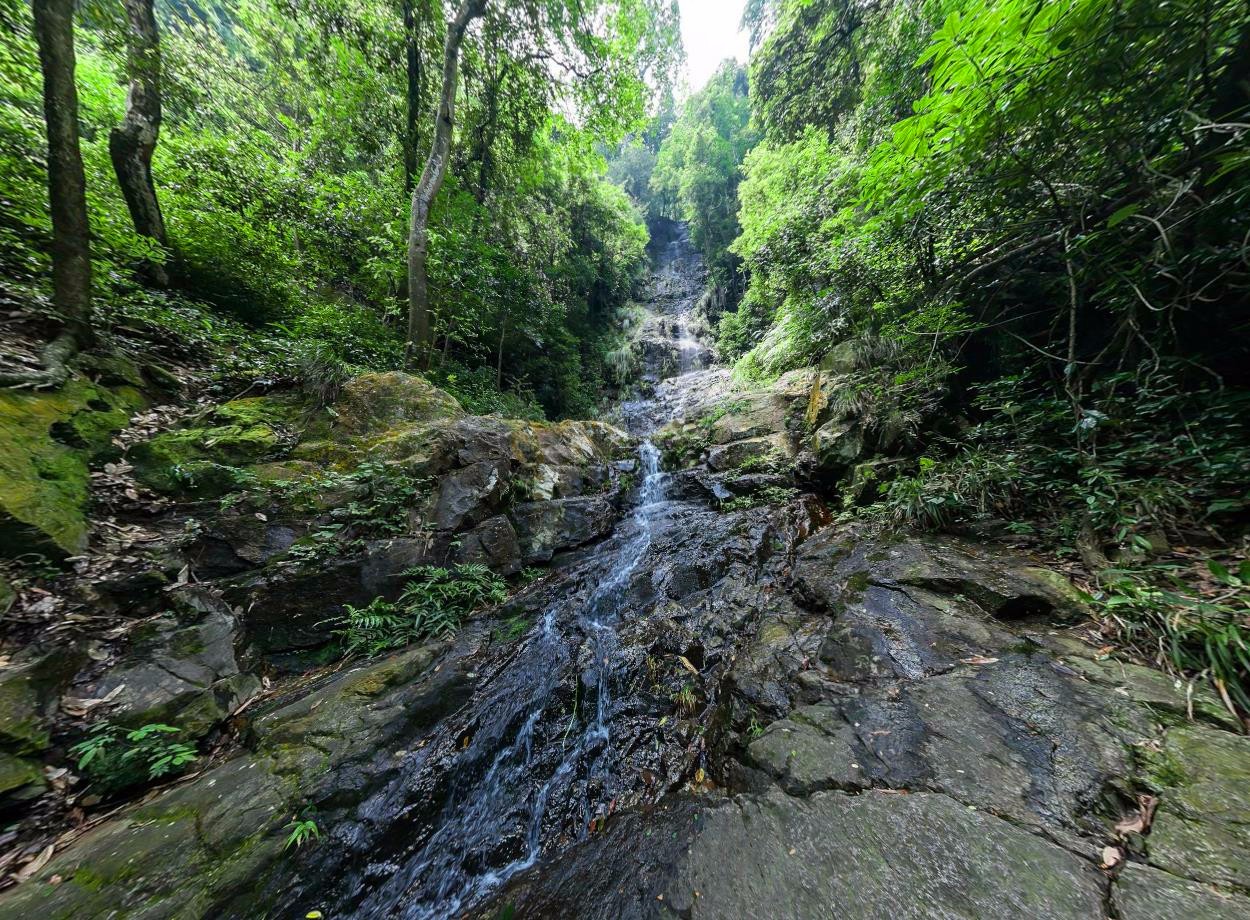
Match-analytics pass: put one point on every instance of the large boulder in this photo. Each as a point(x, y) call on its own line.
point(545, 528)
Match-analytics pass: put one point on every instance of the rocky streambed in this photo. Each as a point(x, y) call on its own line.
point(712, 703)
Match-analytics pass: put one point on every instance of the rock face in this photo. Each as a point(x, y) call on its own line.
point(713, 706)
point(909, 730)
point(183, 669)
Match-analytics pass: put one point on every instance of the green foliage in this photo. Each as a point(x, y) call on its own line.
point(433, 604)
point(1158, 611)
point(696, 174)
point(768, 495)
point(280, 172)
point(115, 758)
point(303, 831)
point(1145, 455)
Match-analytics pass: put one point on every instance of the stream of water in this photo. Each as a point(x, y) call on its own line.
point(525, 764)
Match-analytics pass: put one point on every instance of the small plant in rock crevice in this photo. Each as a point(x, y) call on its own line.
point(116, 758)
point(303, 830)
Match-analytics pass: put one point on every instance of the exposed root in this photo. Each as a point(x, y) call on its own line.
point(56, 357)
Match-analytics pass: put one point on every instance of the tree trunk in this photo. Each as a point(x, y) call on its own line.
point(503, 332)
point(132, 143)
point(67, 194)
point(431, 180)
point(414, 22)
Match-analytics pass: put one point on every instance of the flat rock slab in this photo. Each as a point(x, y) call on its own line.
point(1141, 893)
point(876, 855)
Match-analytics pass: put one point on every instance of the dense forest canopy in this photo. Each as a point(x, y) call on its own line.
point(291, 137)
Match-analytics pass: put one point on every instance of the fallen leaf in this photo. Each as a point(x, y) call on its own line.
point(978, 659)
point(1111, 857)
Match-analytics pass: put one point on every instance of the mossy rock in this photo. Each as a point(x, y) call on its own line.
point(47, 443)
point(29, 689)
point(373, 403)
point(205, 461)
point(18, 774)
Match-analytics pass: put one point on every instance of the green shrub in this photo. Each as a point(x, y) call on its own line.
point(433, 604)
point(116, 758)
point(1160, 612)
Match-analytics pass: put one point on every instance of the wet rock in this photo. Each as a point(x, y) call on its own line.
point(876, 856)
point(209, 848)
point(1201, 828)
point(545, 528)
point(1141, 893)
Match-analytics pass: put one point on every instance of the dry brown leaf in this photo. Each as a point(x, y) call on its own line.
point(1111, 857)
point(979, 659)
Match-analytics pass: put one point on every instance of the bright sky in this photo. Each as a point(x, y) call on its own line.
point(709, 29)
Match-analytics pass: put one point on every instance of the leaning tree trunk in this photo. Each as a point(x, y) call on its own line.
point(431, 180)
point(67, 195)
point(132, 143)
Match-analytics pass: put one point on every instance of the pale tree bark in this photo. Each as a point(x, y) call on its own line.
point(427, 188)
point(415, 12)
point(67, 196)
point(132, 143)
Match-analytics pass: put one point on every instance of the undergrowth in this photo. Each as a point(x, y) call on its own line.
point(434, 603)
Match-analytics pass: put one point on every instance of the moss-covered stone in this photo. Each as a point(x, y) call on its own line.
point(47, 441)
point(28, 690)
point(18, 774)
point(1202, 827)
point(373, 403)
point(204, 462)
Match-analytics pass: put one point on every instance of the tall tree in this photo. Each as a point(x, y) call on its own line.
point(416, 13)
point(132, 143)
point(67, 195)
point(431, 181)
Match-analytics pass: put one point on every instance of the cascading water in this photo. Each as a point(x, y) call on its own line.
point(549, 742)
point(452, 869)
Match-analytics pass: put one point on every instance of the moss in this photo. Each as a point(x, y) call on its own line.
point(16, 773)
point(8, 595)
point(273, 411)
point(856, 586)
point(372, 403)
point(47, 442)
